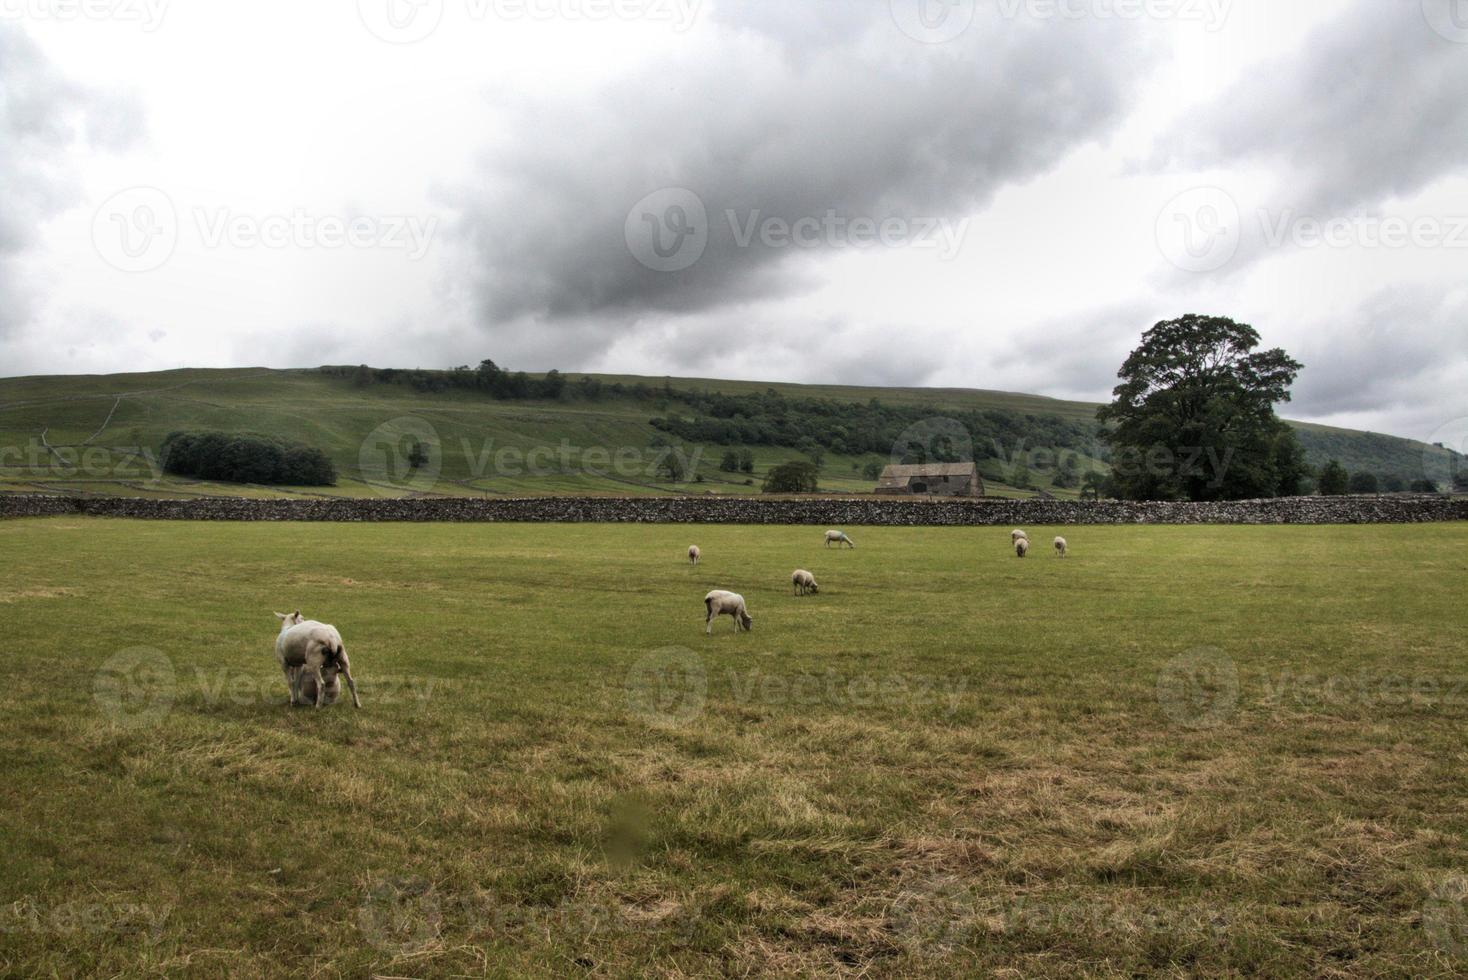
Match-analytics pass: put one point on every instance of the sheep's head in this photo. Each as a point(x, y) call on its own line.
point(287, 620)
point(746, 620)
point(814, 587)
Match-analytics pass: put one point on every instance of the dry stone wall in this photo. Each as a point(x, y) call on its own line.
point(834, 512)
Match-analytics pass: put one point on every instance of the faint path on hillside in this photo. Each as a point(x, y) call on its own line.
point(105, 422)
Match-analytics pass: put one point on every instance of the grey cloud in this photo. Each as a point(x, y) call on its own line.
point(1078, 356)
point(828, 350)
point(1394, 356)
point(1371, 107)
point(42, 115)
point(866, 122)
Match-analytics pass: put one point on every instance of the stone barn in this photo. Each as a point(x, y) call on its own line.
point(936, 479)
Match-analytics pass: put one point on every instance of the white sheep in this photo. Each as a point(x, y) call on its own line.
point(694, 554)
point(1061, 547)
point(721, 603)
point(840, 538)
point(1016, 535)
point(1021, 547)
point(804, 582)
point(310, 650)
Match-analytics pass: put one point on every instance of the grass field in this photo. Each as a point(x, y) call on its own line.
point(1211, 751)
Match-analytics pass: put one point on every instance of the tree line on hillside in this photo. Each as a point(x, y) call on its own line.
point(1334, 480)
point(237, 458)
point(1193, 419)
point(813, 425)
point(494, 381)
point(1391, 458)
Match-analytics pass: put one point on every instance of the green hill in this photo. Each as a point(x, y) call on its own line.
point(601, 434)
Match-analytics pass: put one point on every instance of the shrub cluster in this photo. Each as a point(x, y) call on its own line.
point(239, 458)
point(793, 477)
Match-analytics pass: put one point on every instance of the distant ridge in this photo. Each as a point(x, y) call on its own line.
point(135, 412)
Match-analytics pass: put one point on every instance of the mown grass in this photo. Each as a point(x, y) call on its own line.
point(1213, 751)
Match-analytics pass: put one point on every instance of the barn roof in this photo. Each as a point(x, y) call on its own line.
point(907, 472)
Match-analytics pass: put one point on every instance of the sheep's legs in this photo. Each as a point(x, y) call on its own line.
point(356, 702)
point(320, 683)
point(290, 682)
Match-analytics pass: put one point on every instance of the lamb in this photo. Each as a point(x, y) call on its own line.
point(721, 603)
point(694, 554)
point(331, 690)
point(1061, 547)
point(840, 538)
point(1021, 547)
point(804, 582)
point(310, 650)
point(1016, 535)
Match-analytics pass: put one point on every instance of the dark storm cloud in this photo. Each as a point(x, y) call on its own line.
point(784, 115)
point(1371, 107)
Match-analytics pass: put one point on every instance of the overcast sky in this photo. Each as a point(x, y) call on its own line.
point(970, 193)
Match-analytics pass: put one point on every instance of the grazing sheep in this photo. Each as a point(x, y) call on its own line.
point(804, 582)
point(721, 603)
point(332, 689)
point(1061, 547)
point(1021, 547)
point(840, 538)
point(1016, 535)
point(310, 650)
point(694, 554)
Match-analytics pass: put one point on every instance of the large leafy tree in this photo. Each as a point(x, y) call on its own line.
point(1193, 418)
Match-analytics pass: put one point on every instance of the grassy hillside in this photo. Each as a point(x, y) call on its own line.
point(103, 433)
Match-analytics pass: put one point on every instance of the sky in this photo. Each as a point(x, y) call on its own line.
point(999, 194)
